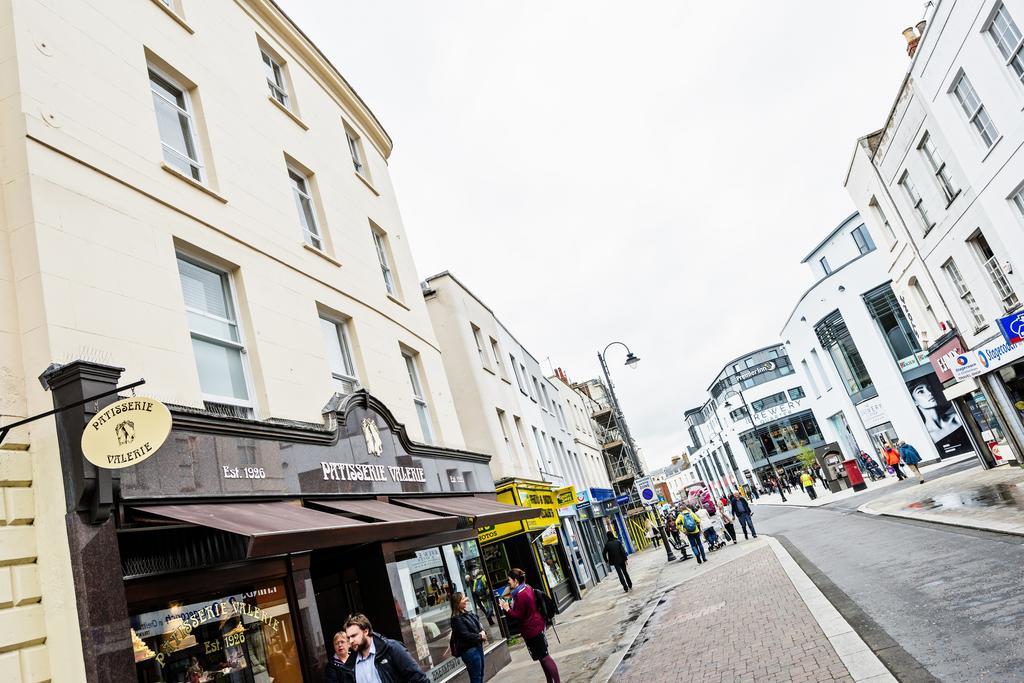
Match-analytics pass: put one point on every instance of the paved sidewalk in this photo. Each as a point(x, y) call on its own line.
point(980, 499)
point(801, 499)
point(745, 621)
point(602, 626)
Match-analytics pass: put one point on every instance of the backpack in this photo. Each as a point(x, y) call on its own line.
point(689, 522)
point(479, 586)
point(546, 606)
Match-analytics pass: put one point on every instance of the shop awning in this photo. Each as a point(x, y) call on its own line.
point(278, 527)
point(485, 511)
point(406, 521)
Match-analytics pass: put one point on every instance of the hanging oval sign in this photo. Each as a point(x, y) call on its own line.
point(126, 432)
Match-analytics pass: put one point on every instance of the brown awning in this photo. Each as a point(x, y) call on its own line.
point(279, 527)
point(407, 521)
point(485, 511)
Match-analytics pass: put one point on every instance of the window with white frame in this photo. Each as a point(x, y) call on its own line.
point(862, 239)
point(518, 374)
point(503, 424)
point(994, 270)
point(478, 338)
point(546, 403)
point(938, 166)
point(274, 72)
point(1017, 199)
point(915, 200)
point(380, 243)
point(825, 267)
point(975, 111)
point(967, 300)
point(176, 124)
point(882, 218)
point(216, 338)
point(521, 433)
point(1008, 40)
point(496, 353)
point(339, 355)
point(536, 389)
point(355, 149)
point(541, 451)
point(418, 397)
point(302, 193)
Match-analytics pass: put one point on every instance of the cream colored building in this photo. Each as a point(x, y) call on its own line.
point(190, 191)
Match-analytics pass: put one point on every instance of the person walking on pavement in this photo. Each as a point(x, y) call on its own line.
point(892, 459)
point(468, 638)
point(615, 555)
point(910, 456)
point(730, 529)
point(688, 522)
point(522, 607)
point(807, 481)
point(337, 671)
point(741, 511)
point(379, 659)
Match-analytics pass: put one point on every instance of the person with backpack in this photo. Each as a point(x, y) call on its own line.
point(615, 555)
point(522, 605)
point(688, 522)
point(912, 458)
point(741, 511)
point(673, 530)
point(476, 580)
point(468, 638)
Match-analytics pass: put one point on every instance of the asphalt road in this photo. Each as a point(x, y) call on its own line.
point(933, 601)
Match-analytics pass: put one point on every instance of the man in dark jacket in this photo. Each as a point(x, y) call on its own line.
point(615, 555)
point(378, 659)
point(741, 511)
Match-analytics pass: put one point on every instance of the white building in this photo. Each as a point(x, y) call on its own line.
point(511, 410)
point(945, 172)
point(731, 449)
point(858, 357)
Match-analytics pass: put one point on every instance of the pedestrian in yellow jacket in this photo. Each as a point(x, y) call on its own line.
point(808, 483)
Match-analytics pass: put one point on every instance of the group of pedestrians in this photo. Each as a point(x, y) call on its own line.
point(701, 524)
point(360, 655)
point(903, 452)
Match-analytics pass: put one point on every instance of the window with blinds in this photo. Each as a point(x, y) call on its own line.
point(835, 338)
point(213, 326)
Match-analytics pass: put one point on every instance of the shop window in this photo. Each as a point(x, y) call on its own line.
point(553, 571)
point(896, 329)
point(835, 338)
point(245, 636)
point(423, 585)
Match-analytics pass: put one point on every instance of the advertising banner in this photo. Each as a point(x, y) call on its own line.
point(565, 496)
point(939, 416)
point(944, 358)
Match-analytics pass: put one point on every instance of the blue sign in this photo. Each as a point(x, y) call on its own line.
point(1012, 327)
point(602, 494)
point(623, 499)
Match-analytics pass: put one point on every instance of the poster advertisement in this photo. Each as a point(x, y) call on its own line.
point(939, 415)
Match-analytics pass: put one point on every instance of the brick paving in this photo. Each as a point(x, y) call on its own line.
point(742, 621)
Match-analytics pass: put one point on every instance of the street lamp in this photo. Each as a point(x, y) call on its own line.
point(757, 436)
point(631, 362)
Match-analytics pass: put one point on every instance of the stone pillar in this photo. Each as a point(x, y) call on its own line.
point(95, 560)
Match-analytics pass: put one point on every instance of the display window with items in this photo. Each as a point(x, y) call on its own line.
point(245, 636)
point(424, 583)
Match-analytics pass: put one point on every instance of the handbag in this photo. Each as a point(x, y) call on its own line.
point(890, 469)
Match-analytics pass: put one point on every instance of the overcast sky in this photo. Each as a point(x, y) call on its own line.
point(649, 172)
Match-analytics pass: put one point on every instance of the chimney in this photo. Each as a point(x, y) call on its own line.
point(913, 38)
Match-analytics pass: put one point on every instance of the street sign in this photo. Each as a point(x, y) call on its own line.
point(644, 487)
point(1012, 327)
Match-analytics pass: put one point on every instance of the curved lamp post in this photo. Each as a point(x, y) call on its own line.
point(757, 435)
point(631, 362)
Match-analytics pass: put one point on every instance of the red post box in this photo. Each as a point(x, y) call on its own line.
point(854, 475)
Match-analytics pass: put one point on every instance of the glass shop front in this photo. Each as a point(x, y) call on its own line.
point(246, 579)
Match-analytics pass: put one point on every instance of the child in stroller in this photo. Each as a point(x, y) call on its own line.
point(712, 538)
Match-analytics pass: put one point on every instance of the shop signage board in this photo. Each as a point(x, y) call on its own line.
point(544, 500)
point(776, 412)
point(565, 496)
point(872, 412)
point(1012, 327)
point(126, 432)
point(495, 532)
point(645, 489)
point(359, 459)
point(767, 366)
point(992, 355)
point(944, 358)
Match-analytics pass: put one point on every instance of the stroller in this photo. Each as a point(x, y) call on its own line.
point(712, 539)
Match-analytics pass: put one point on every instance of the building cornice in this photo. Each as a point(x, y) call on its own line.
point(321, 68)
